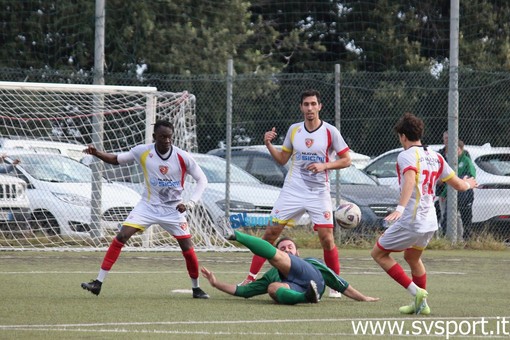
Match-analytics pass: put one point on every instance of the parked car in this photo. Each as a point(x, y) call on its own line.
point(14, 205)
point(72, 150)
point(375, 201)
point(257, 160)
point(490, 207)
point(59, 190)
point(249, 158)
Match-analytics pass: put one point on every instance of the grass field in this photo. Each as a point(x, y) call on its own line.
point(148, 296)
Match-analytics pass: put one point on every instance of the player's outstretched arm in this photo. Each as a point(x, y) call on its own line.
point(354, 294)
point(224, 287)
point(462, 184)
point(104, 156)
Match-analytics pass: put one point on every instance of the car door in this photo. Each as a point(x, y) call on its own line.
point(384, 169)
point(262, 166)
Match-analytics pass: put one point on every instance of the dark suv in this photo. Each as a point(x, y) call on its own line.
point(375, 201)
point(257, 161)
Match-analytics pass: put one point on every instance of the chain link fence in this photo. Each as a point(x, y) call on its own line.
point(370, 104)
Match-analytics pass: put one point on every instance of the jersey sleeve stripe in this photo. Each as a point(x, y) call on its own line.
point(341, 152)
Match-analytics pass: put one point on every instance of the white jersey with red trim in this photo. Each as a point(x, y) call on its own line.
point(420, 214)
point(307, 147)
point(165, 178)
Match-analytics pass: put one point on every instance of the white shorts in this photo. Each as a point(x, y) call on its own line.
point(289, 207)
point(396, 238)
point(144, 215)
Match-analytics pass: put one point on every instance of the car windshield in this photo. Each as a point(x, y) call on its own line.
point(496, 164)
point(214, 169)
point(54, 168)
point(352, 175)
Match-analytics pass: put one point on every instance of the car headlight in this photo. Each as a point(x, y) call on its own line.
point(73, 199)
point(235, 205)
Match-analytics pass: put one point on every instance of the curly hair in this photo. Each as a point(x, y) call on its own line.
point(411, 126)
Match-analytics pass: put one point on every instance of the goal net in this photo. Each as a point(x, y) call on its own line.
point(63, 202)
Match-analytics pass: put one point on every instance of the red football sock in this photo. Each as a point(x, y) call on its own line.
point(191, 262)
point(331, 259)
point(112, 254)
point(397, 273)
point(256, 264)
point(421, 281)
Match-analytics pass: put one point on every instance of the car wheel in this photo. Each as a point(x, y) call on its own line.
point(46, 223)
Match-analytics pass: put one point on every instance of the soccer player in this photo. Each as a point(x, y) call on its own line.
point(292, 279)
point(165, 167)
point(415, 222)
point(314, 147)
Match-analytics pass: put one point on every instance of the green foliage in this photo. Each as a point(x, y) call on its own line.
point(197, 37)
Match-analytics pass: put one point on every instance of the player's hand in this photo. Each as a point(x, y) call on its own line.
point(316, 167)
point(182, 207)
point(91, 150)
point(269, 136)
point(393, 216)
point(209, 275)
point(471, 181)
point(371, 299)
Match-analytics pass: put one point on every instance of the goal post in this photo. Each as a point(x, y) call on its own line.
point(113, 118)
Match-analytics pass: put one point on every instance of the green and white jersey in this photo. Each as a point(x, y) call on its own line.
point(259, 287)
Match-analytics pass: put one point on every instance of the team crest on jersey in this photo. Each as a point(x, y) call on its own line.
point(183, 226)
point(327, 214)
point(163, 169)
point(308, 142)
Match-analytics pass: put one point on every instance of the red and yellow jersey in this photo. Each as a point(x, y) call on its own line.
point(165, 177)
point(307, 147)
point(420, 214)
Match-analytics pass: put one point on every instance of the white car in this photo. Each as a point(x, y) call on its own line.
point(492, 174)
point(59, 190)
point(14, 204)
point(72, 150)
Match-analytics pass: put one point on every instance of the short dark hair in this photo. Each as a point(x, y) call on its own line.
point(159, 123)
point(310, 93)
point(285, 238)
point(410, 126)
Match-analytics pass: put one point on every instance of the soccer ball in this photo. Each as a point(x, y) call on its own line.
point(347, 215)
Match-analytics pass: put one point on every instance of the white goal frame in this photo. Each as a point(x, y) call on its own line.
point(33, 106)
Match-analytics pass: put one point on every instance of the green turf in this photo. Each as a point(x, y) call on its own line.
point(41, 298)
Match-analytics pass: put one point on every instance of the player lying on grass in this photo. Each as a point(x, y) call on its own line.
point(292, 279)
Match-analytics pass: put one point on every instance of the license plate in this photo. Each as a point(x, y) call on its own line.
point(6, 216)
